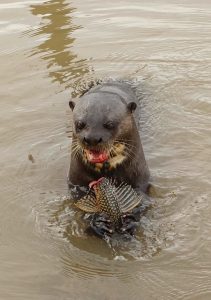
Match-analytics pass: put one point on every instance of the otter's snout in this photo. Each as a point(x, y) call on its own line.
point(92, 141)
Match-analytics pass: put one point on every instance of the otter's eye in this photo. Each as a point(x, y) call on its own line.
point(109, 125)
point(79, 125)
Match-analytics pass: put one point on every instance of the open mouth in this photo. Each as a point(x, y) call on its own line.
point(96, 156)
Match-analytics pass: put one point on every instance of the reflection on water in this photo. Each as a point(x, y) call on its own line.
point(45, 253)
point(56, 34)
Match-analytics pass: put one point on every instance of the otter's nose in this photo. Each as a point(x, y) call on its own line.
point(92, 141)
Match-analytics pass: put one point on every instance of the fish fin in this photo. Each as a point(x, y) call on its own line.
point(127, 197)
point(87, 204)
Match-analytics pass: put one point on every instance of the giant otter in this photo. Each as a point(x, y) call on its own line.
point(105, 139)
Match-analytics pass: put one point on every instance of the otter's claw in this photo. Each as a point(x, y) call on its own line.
point(100, 224)
point(101, 230)
point(129, 228)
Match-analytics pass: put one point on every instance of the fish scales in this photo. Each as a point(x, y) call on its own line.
point(105, 193)
point(106, 198)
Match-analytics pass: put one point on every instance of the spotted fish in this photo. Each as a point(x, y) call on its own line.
point(109, 199)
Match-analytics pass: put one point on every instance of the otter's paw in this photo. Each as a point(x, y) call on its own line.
point(101, 225)
point(129, 228)
point(129, 224)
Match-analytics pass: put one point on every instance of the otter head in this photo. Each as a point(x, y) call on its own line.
point(101, 122)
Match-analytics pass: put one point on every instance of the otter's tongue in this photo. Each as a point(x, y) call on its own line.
point(96, 156)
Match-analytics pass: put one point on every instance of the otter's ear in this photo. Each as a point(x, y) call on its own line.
point(72, 104)
point(131, 106)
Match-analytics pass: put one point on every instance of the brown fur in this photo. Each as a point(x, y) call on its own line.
point(126, 160)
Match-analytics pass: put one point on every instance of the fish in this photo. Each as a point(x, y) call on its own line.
point(105, 197)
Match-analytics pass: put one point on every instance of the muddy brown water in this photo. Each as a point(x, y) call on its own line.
point(48, 50)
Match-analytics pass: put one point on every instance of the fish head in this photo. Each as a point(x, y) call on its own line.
point(94, 183)
point(100, 188)
point(102, 181)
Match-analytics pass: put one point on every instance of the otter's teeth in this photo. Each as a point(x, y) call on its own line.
point(96, 157)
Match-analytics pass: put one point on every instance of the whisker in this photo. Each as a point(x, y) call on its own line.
point(76, 149)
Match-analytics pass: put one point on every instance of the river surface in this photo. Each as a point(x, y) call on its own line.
point(50, 50)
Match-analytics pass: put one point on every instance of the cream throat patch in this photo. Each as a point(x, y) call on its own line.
point(116, 157)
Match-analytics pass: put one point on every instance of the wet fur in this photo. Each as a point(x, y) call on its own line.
point(128, 166)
